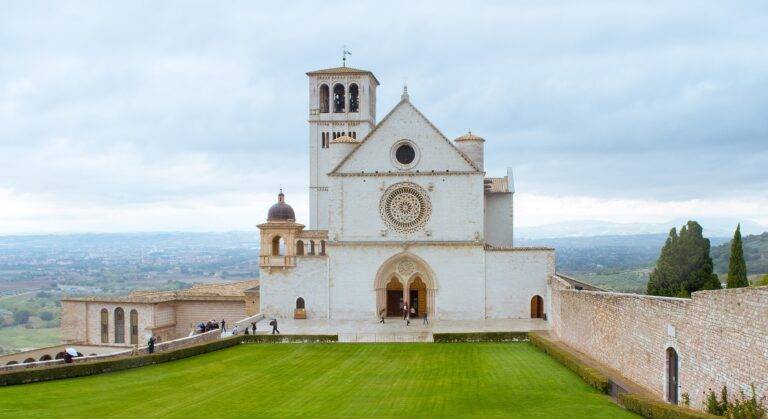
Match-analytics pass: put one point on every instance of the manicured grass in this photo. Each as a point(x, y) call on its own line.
point(330, 380)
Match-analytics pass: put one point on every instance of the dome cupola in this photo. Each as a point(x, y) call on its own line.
point(281, 211)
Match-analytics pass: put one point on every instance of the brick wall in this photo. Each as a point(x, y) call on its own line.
point(721, 337)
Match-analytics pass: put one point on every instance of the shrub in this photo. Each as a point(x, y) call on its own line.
point(590, 375)
point(480, 337)
point(742, 407)
point(657, 409)
point(46, 316)
point(290, 338)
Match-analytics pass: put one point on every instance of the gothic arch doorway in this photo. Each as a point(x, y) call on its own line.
point(673, 364)
point(394, 297)
point(405, 279)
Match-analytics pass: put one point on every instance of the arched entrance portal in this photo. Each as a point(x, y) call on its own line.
point(672, 375)
point(405, 279)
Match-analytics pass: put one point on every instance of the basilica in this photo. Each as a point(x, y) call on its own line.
point(401, 216)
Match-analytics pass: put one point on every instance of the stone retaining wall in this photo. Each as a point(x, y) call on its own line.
point(122, 352)
point(721, 337)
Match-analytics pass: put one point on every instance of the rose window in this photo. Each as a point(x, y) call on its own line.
point(405, 207)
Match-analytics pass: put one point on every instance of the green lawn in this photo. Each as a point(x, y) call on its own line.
point(332, 380)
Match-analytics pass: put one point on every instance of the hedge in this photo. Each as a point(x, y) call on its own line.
point(290, 338)
point(590, 375)
point(657, 409)
point(480, 337)
point(90, 368)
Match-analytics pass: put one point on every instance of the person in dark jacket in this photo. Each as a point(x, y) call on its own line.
point(223, 327)
point(253, 326)
point(273, 323)
point(151, 344)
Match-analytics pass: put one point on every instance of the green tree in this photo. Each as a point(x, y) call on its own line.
point(46, 316)
point(737, 267)
point(21, 316)
point(763, 281)
point(684, 265)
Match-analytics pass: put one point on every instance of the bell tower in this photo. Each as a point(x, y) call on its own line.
point(342, 102)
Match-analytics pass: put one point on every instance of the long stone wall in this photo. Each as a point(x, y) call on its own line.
point(721, 337)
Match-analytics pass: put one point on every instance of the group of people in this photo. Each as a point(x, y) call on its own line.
point(212, 325)
point(408, 312)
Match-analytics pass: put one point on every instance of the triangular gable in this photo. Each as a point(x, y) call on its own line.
point(405, 121)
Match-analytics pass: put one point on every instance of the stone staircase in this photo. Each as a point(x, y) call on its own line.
point(363, 337)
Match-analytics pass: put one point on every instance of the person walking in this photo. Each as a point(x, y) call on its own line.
point(405, 310)
point(223, 328)
point(151, 344)
point(407, 318)
point(253, 325)
point(273, 323)
point(426, 321)
point(381, 314)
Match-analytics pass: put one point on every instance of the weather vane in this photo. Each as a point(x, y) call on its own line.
point(344, 53)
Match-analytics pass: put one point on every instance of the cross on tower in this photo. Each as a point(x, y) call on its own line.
point(344, 53)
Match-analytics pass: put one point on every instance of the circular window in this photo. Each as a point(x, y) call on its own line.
point(405, 207)
point(405, 154)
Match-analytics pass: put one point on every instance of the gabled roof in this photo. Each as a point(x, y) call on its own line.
point(405, 102)
point(342, 70)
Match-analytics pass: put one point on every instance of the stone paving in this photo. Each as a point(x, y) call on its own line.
point(395, 330)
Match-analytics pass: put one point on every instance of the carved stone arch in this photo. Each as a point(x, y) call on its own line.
point(406, 267)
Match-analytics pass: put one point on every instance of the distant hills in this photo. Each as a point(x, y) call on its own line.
point(713, 227)
point(755, 254)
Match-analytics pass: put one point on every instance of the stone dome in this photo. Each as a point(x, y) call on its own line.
point(281, 211)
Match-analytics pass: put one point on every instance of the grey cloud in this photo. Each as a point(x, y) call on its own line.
point(611, 99)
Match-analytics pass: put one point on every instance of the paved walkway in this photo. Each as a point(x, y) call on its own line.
point(395, 330)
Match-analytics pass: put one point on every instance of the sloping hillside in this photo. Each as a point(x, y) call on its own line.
point(755, 253)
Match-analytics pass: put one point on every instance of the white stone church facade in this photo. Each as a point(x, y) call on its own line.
point(399, 215)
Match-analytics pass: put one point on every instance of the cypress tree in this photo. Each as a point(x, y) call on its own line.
point(684, 265)
point(737, 267)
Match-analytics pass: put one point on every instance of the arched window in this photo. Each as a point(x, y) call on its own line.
point(323, 98)
point(299, 248)
point(322, 247)
point(104, 325)
point(60, 355)
point(28, 360)
point(672, 375)
point(134, 327)
point(278, 246)
point(338, 98)
point(354, 98)
point(45, 358)
point(119, 325)
point(299, 303)
point(311, 247)
point(537, 307)
point(11, 363)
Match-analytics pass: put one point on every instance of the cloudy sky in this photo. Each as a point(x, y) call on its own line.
point(182, 116)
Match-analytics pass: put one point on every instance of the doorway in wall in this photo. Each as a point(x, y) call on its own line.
point(394, 297)
point(672, 375)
